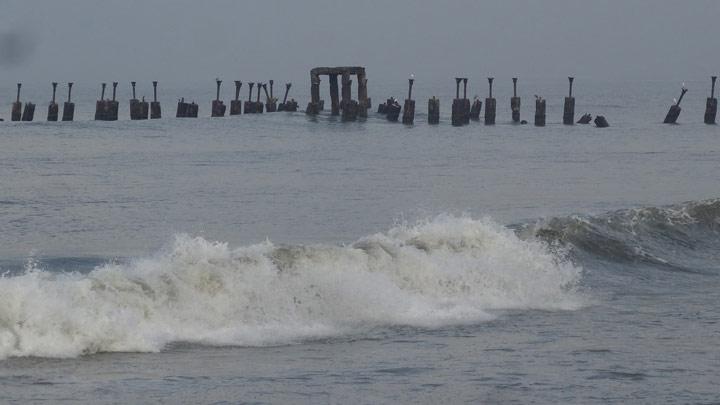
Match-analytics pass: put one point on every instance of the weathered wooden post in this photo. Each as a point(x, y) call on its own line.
point(515, 102)
point(569, 109)
point(114, 105)
point(53, 108)
point(69, 106)
point(490, 105)
point(249, 105)
point(457, 105)
point(334, 96)
point(433, 111)
point(155, 111)
point(16, 113)
point(466, 103)
point(100, 105)
point(539, 111)
point(236, 105)
point(29, 111)
point(675, 109)
point(258, 105)
point(271, 104)
point(711, 104)
point(409, 108)
point(218, 107)
point(348, 106)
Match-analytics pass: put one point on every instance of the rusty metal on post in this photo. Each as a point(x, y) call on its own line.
point(515, 102)
point(569, 107)
point(490, 105)
point(674, 112)
point(53, 108)
point(69, 106)
point(409, 107)
point(711, 104)
point(16, 112)
point(155, 111)
point(236, 104)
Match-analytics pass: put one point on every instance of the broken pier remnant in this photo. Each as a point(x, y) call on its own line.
point(674, 112)
point(475, 109)
point(53, 108)
point(101, 105)
point(711, 104)
point(349, 108)
point(433, 111)
point(569, 109)
point(539, 111)
point(29, 111)
point(460, 114)
point(138, 109)
point(16, 112)
point(585, 119)
point(187, 110)
point(409, 108)
point(218, 107)
point(466, 103)
point(155, 111)
point(249, 105)
point(601, 122)
point(236, 104)
point(334, 94)
point(258, 105)
point(515, 102)
point(69, 106)
point(286, 105)
point(490, 104)
point(271, 104)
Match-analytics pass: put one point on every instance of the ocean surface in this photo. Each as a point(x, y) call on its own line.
point(281, 258)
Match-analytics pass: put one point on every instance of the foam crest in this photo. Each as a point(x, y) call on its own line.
point(442, 271)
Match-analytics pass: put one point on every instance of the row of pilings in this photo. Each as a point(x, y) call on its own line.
point(463, 111)
point(107, 109)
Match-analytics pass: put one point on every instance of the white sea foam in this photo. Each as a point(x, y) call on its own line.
point(442, 271)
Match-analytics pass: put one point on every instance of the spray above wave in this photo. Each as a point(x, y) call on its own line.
point(447, 270)
point(683, 237)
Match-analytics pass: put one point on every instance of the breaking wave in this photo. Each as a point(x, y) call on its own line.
point(442, 271)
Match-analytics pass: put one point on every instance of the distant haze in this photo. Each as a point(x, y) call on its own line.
point(175, 40)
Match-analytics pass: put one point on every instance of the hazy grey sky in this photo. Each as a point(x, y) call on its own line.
point(195, 39)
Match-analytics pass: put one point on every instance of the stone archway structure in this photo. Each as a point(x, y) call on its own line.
point(344, 103)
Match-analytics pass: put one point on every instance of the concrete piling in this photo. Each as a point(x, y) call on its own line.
point(16, 112)
point(258, 105)
point(28, 112)
point(585, 119)
point(187, 110)
point(515, 102)
point(236, 104)
point(138, 109)
point(271, 103)
point(569, 109)
point(711, 104)
point(475, 109)
point(218, 107)
point(334, 94)
point(457, 118)
point(433, 111)
point(100, 104)
point(112, 106)
point(286, 105)
point(490, 104)
point(674, 112)
point(313, 107)
point(601, 122)
point(249, 105)
point(155, 111)
point(409, 108)
point(466, 103)
point(348, 106)
point(364, 101)
point(392, 109)
point(69, 106)
point(539, 111)
point(53, 108)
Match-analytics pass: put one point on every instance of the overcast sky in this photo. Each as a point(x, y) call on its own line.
point(195, 39)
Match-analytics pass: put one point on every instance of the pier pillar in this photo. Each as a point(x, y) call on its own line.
point(155, 110)
point(113, 105)
point(218, 107)
point(28, 112)
point(433, 111)
point(601, 122)
point(515, 102)
point(475, 109)
point(271, 104)
point(249, 105)
point(539, 112)
point(569, 109)
point(674, 112)
point(457, 106)
point(409, 108)
point(348, 106)
point(236, 104)
point(53, 108)
point(711, 104)
point(69, 106)
point(334, 95)
point(585, 119)
point(466, 103)
point(313, 107)
point(490, 105)
point(363, 100)
point(100, 105)
point(258, 105)
point(16, 112)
